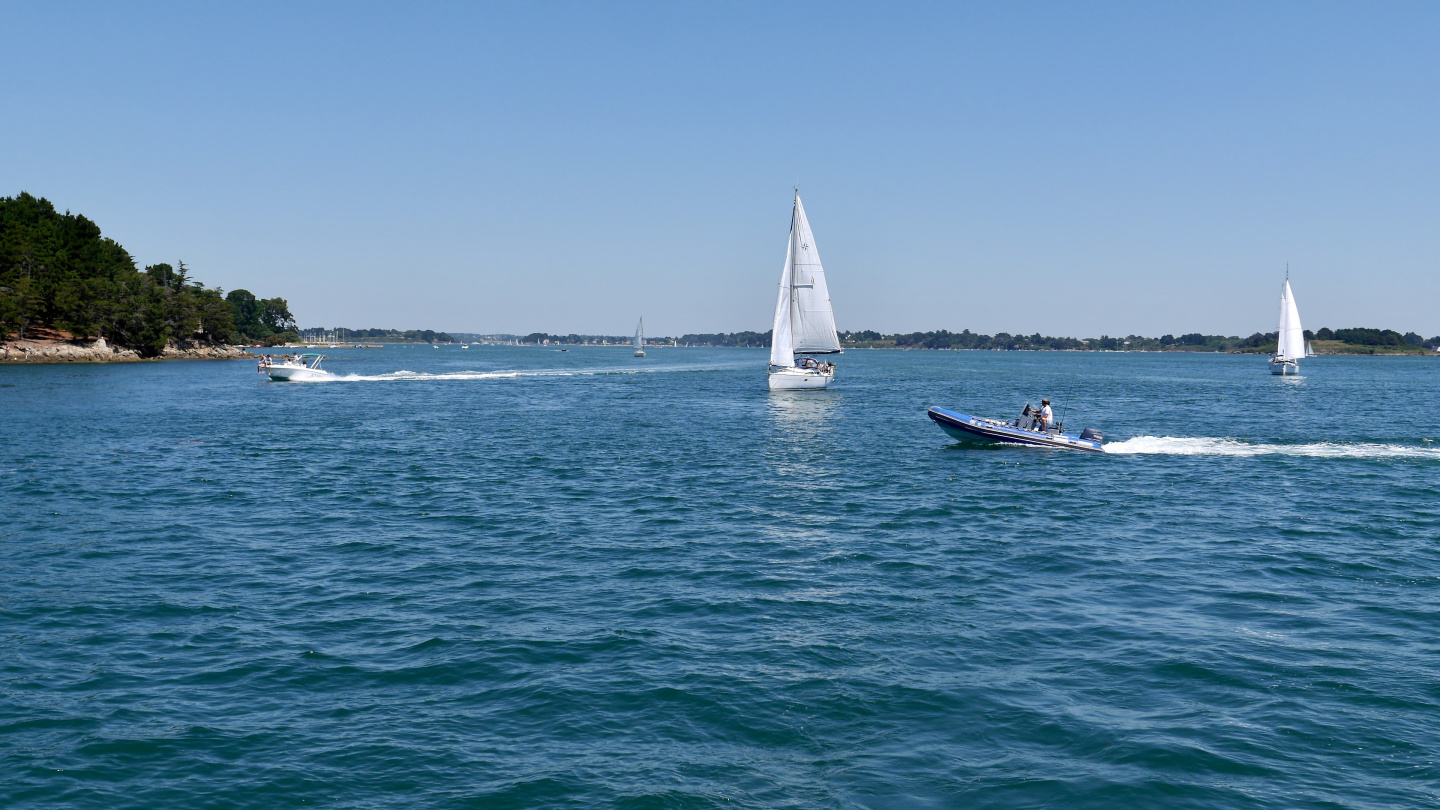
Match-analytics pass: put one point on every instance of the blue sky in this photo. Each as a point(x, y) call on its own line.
point(1065, 168)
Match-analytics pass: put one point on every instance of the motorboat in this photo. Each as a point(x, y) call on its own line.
point(640, 338)
point(1026, 429)
point(294, 367)
point(804, 320)
point(1290, 338)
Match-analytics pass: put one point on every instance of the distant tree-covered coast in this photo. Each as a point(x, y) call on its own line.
point(341, 334)
point(1327, 341)
point(59, 274)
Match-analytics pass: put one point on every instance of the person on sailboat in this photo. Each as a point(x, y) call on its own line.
point(1047, 416)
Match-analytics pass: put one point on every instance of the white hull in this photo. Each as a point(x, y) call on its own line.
point(797, 379)
point(1280, 367)
point(639, 353)
point(297, 374)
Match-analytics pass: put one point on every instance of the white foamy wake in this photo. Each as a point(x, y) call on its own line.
point(412, 376)
point(396, 376)
point(1177, 446)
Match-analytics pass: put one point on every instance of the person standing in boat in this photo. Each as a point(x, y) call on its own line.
point(1047, 416)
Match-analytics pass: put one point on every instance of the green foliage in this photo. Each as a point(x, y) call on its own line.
point(262, 320)
point(317, 333)
point(1370, 337)
point(57, 271)
point(741, 339)
point(574, 340)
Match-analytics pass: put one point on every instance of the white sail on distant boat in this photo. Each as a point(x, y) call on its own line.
point(1290, 346)
point(640, 338)
point(1310, 349)
point(804, 320)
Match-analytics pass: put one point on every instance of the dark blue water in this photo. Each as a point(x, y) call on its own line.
point(603, 581)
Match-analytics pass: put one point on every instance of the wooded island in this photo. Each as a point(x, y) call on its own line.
point(61, 279)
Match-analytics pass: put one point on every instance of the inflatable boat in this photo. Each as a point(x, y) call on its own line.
point(1024, 430)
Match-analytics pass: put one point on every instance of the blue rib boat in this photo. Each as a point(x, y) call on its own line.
point(1023, 430)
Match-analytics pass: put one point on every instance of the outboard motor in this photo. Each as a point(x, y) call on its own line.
point(1092, 435)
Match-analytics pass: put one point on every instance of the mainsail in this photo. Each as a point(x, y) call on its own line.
point(640, 334)
point(814, 320)
point(804, 319)
point(1291, 343)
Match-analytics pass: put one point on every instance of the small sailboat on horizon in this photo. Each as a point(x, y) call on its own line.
point(640, 338)
point(804, 320)
point(1290, 341)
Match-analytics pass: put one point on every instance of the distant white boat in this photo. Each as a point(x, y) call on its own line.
point(640, 338)
point(804, 319)
point(1310, 349)
point(1290, 346)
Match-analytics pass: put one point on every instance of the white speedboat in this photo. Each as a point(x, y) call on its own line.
point(640, 338)
point(1290, 344)
point(294, 368)
point(804, 319)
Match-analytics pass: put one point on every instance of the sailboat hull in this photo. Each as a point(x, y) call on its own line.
point(1283, 367)
point(639, 352)
point(797, 379)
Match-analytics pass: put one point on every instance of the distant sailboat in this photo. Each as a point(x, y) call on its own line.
point(1290, 346)
point(640, 338)
point(804, 320)
point(1310, 349)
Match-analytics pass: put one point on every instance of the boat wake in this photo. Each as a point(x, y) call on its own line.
point(1177, 446)
point(401, 376)
point(422, 376)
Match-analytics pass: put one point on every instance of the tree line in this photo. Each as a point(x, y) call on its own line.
point(58, 272)
point(318, 333)
point(1258, 342)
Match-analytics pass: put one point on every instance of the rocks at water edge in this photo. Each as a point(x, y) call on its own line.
point(73, 351)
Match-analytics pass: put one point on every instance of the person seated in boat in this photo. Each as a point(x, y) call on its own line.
point(809, 363)
point(1047, 416)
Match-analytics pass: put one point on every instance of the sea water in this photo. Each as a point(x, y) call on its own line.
point(518, 577)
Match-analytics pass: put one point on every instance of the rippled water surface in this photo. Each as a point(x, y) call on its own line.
point(516, 577)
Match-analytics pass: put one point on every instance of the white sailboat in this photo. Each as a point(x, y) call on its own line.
point(804, 320)
point(640, 338)
point(1291, 344)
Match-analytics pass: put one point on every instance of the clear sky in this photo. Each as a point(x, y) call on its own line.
point(1066, 168)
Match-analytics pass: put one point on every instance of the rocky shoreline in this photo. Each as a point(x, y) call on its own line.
point(98, 351)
